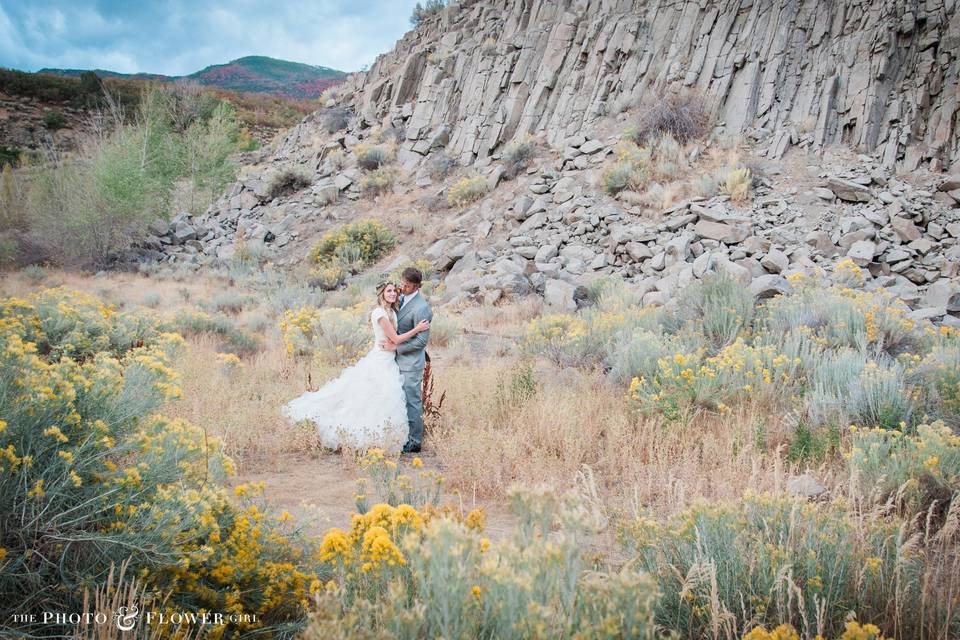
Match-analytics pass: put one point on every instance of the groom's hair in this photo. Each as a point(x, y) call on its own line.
point(412, 275)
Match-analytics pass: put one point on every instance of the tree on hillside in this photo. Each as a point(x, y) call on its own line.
point(423, 11)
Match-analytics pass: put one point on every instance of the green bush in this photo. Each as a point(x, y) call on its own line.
point(720, 305)
point(9, 155)
point(916, 469)
point(86, 210)
point(373, 183)
point(53, 120)
point(194, 322)
point(424, 11)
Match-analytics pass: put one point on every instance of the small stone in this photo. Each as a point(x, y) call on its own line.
point(823, 193)
point(849, 190)
point(805, 486)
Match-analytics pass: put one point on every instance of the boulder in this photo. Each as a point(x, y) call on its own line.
point(775, 261)
point(805, 486)
point(862, 252)
point(721, 232)
point(849, 190)
point(769, 286)
point(905, 229)
point(558, 294)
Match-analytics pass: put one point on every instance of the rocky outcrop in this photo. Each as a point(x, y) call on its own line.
point(879, 75)
point(873, 75)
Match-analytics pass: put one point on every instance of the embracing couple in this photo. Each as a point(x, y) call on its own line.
point(378, 401)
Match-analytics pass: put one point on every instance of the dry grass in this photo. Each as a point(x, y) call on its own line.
point(576, 419)
point(242, 404)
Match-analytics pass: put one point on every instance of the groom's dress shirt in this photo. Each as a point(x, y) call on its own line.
point(404, 299)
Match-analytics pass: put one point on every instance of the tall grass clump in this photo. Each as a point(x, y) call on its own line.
point(631, 170)
point(377, 181)
point(768, 560)
point(287, 182)
point(517, 155)
point(92, 478)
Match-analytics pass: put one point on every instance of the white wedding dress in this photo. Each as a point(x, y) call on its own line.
point(365, 406)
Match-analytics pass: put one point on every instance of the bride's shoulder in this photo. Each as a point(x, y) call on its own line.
point(378, 312)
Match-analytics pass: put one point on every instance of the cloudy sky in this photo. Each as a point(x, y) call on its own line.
point(177, 37)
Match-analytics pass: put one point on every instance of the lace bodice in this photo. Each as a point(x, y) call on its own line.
point(378, 333)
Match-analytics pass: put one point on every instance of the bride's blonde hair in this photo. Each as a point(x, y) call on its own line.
point(381, 302)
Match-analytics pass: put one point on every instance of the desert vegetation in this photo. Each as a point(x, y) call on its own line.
point(665, 155)
point(83, 210)
point(639, 455)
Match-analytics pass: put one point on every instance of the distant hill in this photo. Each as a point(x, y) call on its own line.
point(251, 74)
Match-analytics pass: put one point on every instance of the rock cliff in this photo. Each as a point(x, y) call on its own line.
point(792, 86)
point(882, 76)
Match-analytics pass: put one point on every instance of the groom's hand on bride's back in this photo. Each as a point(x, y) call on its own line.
point(386, 345)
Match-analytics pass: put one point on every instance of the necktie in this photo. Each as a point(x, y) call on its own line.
point(402, 299)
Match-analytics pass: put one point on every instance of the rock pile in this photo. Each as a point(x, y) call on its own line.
point(561, 235)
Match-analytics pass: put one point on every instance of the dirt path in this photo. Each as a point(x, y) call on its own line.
point(319, 491)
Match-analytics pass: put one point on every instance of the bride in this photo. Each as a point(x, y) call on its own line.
point(365, 406)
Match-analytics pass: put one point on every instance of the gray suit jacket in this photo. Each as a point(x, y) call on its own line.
point(410, 353)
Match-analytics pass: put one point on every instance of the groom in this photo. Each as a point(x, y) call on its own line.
point(410, 354)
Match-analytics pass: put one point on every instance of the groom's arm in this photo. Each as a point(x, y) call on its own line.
point(419, 341)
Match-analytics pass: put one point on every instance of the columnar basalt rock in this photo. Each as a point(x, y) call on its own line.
point(879, 75)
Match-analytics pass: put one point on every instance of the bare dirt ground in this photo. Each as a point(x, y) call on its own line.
point(319, 490)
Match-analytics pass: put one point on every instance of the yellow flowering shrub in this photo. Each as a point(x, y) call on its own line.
point(438, 577)
point(737, 371)
point(918, 468)
point(96, 477)
point(853, 630)
point(334, 335)
point(64, 322)
point(466, 190)
point(563, 339)
point(362, 241)
point(388, 480)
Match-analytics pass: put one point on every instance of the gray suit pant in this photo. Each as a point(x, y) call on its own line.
point(413, 388)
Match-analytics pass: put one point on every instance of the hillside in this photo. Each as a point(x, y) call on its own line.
point(250, 74)
point(826, 172)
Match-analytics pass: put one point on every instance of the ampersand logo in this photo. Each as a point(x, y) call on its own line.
point(126, 617)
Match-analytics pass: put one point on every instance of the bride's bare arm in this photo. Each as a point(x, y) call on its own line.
point(397, 338)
